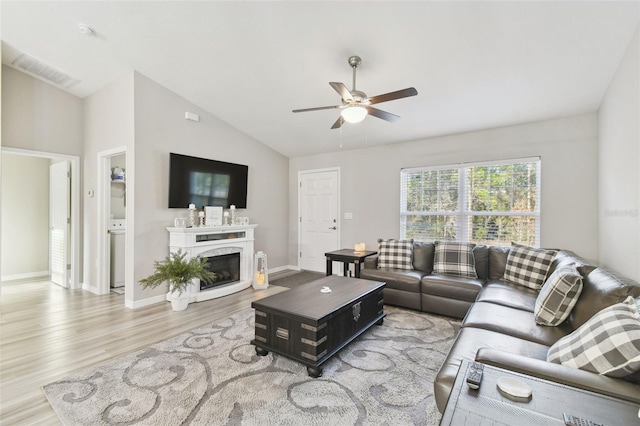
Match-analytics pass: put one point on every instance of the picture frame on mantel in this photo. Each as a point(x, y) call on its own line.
point(213, 216)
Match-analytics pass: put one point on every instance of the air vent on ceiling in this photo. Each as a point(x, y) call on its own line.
point(46, 72)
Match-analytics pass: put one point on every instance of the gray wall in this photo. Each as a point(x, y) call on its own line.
point(160, 128)
point(619, 157)
point(38, 117)
point(108, 124)
point(370, 179)
point(25, 216)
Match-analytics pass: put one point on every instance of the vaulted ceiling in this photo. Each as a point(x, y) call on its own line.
point(475, 64)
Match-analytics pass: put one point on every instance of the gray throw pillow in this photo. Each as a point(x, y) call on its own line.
point(395, 254)
point(558, 296)
point(528, 266)
point(608, 343)
point(454, 259)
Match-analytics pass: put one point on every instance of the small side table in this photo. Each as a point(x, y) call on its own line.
point(347, 256)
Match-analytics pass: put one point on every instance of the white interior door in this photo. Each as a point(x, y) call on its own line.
point(59, 206)
point(319, 224)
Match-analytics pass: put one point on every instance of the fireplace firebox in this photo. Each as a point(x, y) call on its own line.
point(226, 267)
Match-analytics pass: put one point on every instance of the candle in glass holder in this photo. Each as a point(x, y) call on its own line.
point(360, 247)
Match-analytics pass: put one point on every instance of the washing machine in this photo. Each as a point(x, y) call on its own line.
point(117, 231)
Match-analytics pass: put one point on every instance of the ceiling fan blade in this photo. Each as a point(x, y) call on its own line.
point(318, 108)
point(398, 94)
point(342, 91)
point(382, 114)
point(339, 122)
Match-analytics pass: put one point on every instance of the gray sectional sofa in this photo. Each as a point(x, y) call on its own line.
point(499, 327)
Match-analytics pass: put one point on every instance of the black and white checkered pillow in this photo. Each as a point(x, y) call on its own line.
point(395, 254)
point(609, 343)
point(558, 295)
point(455, 259)
point(528, 266)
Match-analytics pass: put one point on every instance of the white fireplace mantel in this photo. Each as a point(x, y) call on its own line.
point(210, 241)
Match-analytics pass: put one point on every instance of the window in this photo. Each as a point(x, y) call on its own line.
point(486, 203)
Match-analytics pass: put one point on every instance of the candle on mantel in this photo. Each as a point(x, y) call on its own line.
point(232, 207)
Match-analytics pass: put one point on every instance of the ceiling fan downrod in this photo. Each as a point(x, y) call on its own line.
point(354, 61)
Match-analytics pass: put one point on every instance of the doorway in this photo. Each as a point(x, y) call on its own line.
point(113, 237)
point(33, 220)
point(319, 220)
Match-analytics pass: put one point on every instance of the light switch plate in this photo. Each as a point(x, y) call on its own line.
point(348, 215)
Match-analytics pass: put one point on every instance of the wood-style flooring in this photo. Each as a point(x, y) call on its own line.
point(48, 332)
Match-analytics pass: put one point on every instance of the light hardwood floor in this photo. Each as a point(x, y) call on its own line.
point(47, 332)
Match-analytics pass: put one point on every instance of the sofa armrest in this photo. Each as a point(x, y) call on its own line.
point(371, 262)
point(581, 379)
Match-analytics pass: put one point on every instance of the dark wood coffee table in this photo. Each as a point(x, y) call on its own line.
point(310, 326)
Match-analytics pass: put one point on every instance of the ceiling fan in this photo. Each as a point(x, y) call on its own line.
point(356, 104)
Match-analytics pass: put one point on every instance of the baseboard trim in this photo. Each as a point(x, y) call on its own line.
point(284, 268)
point(25, 276)
point(137, 304)
point(90, 288)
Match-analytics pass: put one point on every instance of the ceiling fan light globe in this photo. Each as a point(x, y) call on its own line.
point(354, 114)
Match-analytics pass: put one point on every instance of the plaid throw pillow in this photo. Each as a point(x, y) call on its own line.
point(609, 343)
point(558, 295)
point(395, 254)
point(528, 266)
point(455, 259)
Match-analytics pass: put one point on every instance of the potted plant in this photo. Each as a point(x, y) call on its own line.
point(179, 273)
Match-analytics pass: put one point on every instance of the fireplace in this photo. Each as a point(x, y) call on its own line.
point(225, 266)
point(229, 251)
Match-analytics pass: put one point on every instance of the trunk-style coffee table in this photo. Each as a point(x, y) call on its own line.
point(310, 326)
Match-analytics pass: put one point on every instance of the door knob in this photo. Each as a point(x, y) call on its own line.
point(333, 227)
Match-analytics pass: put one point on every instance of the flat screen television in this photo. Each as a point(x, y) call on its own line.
point(204, 182)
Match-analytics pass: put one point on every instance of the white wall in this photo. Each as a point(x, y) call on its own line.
point(619, 159)
point(25, 216)
point(160, 128)
point(370, 179)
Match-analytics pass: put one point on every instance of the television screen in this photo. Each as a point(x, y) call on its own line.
point(203, 182)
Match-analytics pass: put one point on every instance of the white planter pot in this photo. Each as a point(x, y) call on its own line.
point(179, 303)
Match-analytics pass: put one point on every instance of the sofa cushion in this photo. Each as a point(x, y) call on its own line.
point(497, 261)
point(454, 259)
point(609, 343)
point(513, 322)
point(397, 279)
point(528, 266)
point(600, 289)
point(395, 254)
point(423, 256)
point(558, 295)
point(481, 256)
point(508, 294)
point(452, 287)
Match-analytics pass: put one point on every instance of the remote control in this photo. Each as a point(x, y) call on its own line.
point(571, 420)
point(474, 375)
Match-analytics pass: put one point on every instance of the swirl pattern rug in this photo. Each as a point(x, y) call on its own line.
point(212, 376)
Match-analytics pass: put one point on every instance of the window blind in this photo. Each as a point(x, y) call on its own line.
point(487, 203)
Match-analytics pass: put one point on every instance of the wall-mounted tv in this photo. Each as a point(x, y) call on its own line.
point(204, 182)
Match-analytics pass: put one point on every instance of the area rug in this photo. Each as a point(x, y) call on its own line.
point(297, 278)
point(212, 376)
